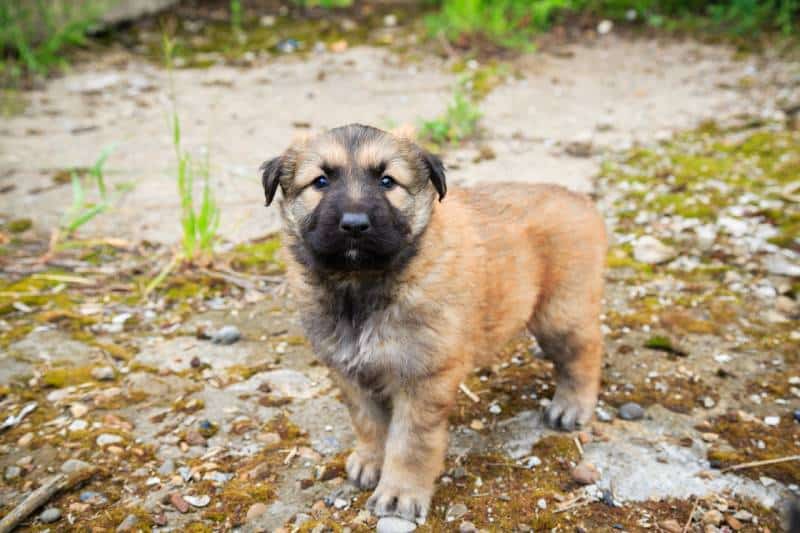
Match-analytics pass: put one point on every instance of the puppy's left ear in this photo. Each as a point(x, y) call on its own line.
point(435, 169)
point(270, 177)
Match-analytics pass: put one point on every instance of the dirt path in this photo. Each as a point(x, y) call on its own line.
point(611, 92)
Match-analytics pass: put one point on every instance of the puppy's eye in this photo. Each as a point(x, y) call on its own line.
point(387, 182)
point(320, 183)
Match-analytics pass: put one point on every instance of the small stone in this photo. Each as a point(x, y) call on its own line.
point(581, 146)
point(73, 465)
point(103, 373)
point(605, 27)
point(12, 472)
point(532, 462)
point(50, 515)
point(772, 420)
point(178, 502)
point(733, 523)
point(712, 517)
point(198, 501)
point(268, 438)
point(455, 512)
point(226, 335)
point(584, 437)
point(459, 472)
point(671, 526)
point(167, 467)
point(476, 424)
point(651, 251)
point(392, 524)
point(495, 409)
point(631, 411)
point(78, 410)
point(160, 519)
point(541, 503)
point(467, 527)
point(708, 402)
point(128, 524)
point(25, 440)
point(585, 473)
point(194, 438)
point(743, 516)
point(340, 503)
point(256, 510)
point(78, 425)
point(93, 498)
point(390, 20)
point(106, 439)
point(603, 415)
point(797, 415)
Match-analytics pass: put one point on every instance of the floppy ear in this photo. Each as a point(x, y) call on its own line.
point(435, 169)
point(270, 177)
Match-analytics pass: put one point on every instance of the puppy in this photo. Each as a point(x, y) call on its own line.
point(403, 289)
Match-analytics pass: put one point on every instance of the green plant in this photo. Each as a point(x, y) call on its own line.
point(199, 223)
point(236, 16)
point(326, 4)
point(82, 211)
point(459, 121)
point(35, 33)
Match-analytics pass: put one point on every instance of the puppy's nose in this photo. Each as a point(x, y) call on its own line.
point(354, 223)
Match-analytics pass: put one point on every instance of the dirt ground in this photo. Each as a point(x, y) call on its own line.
point(179, 433)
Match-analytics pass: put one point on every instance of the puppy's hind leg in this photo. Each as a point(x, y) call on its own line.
point(575, 345)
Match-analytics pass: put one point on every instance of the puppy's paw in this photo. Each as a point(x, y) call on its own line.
point(364, 469)
point(409, 503)
point(569, 408)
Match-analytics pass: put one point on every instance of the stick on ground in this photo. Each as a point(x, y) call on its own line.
point(765, 462)
point(42, 495)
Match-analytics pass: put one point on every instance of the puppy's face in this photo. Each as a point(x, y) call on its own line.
point(355, 198)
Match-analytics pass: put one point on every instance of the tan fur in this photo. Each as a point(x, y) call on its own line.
point(491, 262)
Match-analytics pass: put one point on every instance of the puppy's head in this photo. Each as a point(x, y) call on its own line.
point(355, 198)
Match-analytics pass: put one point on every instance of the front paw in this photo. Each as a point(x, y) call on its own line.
point(408, 502)
point(570, 408)
point(364, 470)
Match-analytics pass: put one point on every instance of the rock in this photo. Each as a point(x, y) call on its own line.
point(541, 503)
point(167, 467)
point(467, 527)
point(743, 516)
point(106, 439)
point(128, 524)
point(476, 425)
point(50, 515)
point(178, 502)
point(103, 373)
point(198, 501)
point(712, 517)
point(12, 472)
point(603, 415)
point(631, 411)
point(781, 266)
point(392, 524)
point(73, 465)
point(340, 503)
point(495, 409)
point(649, 250)
point(93, 498)
point(772, 420)
point(797, 415)
point(194, 438)
point(455, 512)
point(78, 425)
point(256, 510)
point(605, 27)
point(671, 526)
point(532, 462)
point(580, 146)
point(25, 440)
point(585, 473)
point(78, 410)
point(226, 335)
point(733, 523)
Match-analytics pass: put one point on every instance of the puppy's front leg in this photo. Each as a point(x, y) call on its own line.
point(415, 449)
point(370, 420)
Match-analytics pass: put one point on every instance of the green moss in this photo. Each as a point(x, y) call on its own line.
point(258, 256)
point(64, 377)
point(20, 225)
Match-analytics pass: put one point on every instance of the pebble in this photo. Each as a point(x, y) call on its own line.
point(541, 503)
point(495, 409)
point(178, 502)
point(772, 420)
point(631, 411)
point(103, 373)
point(340, 503)
point(712, 517)
point(78, 410)
point(671, 526)
point(603, 415)
point(744, 516)
point(25, 440)
point(167, 467)
point(585, 473)
point(649, 250)
point(12, 472)
point(467, 527)
point(50, 515)
point(73, 465)
point(605, 27)
point(108, 438)
point(455, 512)
point(198, 501)
point(94, 498)
point(78, 425)
point(797, 415)
point(392, 524)
point(226, 335)
point(733, 523)
point(532, 462)
point(128, 524)
point(256, 510)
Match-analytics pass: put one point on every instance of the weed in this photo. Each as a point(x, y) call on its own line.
point(199, 223)
point(459, 122)
point(81, 211)
point(326, 4)
point(236, 16)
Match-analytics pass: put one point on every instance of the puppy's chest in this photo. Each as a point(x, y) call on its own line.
point(369, 337)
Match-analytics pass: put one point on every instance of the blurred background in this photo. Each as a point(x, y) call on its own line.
point(152, 370)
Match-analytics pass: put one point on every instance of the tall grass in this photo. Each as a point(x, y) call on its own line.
point(81, 211)
point(199, 221)
point(34, 34)
point(459, 122)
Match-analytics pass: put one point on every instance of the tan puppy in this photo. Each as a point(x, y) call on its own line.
point(402, 292)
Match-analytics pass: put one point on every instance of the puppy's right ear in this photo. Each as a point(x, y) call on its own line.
point(270, 177)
